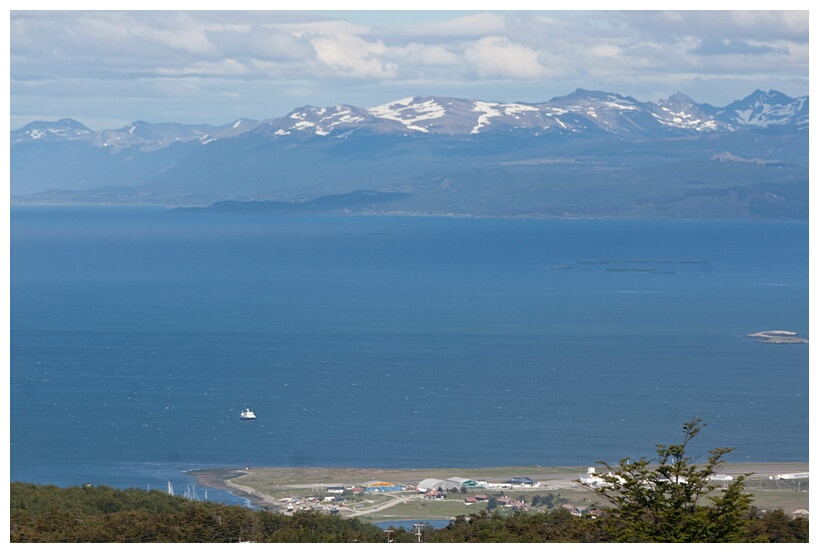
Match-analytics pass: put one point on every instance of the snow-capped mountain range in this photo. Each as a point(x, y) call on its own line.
point(137, 133)
point(587, 154)
point(580, 112)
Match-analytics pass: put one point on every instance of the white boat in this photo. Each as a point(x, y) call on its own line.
point(247, 415)
point(191, 494)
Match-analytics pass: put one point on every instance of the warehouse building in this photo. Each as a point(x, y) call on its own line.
point(459, 483)
point(430, 484)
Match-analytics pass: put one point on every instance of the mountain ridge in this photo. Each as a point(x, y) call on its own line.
point(587, 154)
point(420, 114)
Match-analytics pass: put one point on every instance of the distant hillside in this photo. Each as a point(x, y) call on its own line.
point(587, 154)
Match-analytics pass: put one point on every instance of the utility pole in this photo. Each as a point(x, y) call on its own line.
point(388, 532)
point(419, 527)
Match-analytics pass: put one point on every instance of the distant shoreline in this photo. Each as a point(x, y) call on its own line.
point(206, 208)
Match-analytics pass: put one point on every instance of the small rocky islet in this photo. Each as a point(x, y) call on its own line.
point(778, 337)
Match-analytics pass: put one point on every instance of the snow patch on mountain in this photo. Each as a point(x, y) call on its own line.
point(516, 109)
point(487, 110)
point(407, 112)
point(613, 103)
point(64, 129)
point(683, 120)
point(767, 109)
point(763, 115)
point(321, 120)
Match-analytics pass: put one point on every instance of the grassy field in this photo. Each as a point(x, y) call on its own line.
point(425, 510)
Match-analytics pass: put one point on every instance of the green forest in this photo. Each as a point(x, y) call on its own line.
point(85, 514)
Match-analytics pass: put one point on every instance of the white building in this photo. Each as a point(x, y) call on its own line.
point(431, 484)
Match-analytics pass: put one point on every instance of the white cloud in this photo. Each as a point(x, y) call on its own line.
point(262, 43)
point(180, 32)
point(424, 55)
point(496, 57)
point(606, 51)
point(220, 68)
point(466, 26)
point(351, 56)
point(719, 24)
point(311, 24)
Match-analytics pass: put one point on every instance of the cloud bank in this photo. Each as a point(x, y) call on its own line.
point(214, 67)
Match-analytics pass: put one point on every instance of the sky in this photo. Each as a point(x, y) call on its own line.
point(109, 68)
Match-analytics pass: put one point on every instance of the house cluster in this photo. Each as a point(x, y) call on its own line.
point(593, 479)
point(433, 488)
point(434, 494)
point(293, 504)
point(510, 503)
point(581, 511)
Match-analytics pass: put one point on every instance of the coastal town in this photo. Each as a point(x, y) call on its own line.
point(352, 498)
point(386, 496)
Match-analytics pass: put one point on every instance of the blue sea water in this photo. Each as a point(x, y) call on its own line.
point(138, 334)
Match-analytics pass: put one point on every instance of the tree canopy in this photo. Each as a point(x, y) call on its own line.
point(671, 499)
